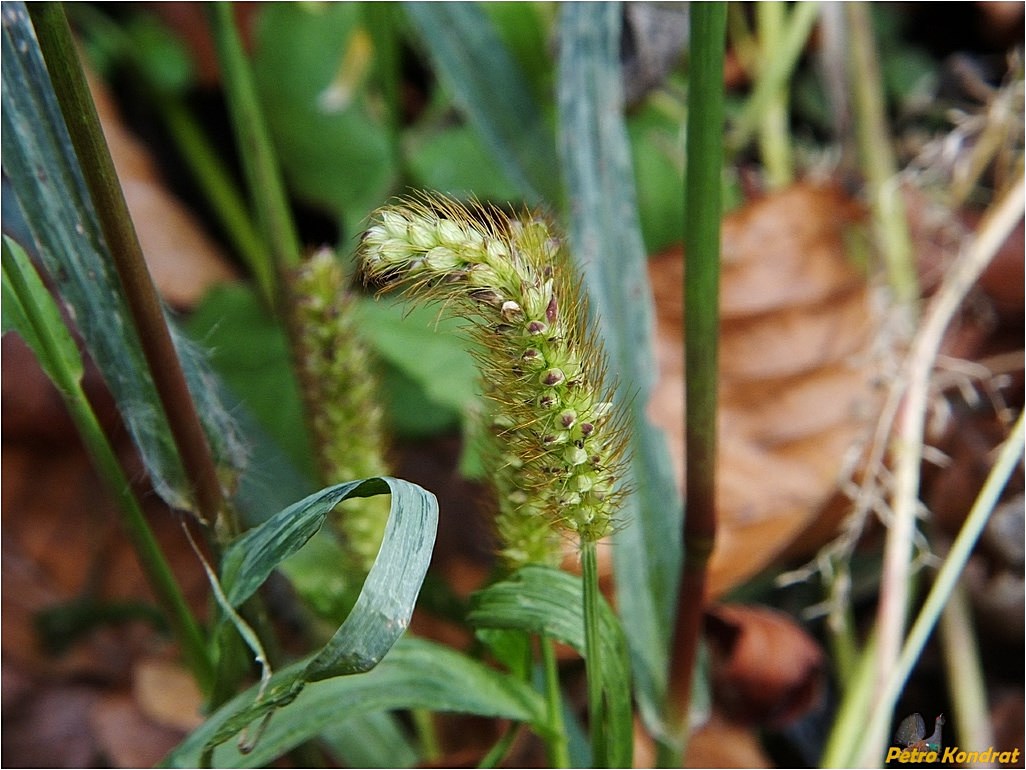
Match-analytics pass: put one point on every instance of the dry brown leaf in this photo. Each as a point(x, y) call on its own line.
point(167, 694)
point(126, 736)
point(718, 742)
point(722, 743)
point(765, 668)
point(796, 384)
point(183, 260)
point(49, 727)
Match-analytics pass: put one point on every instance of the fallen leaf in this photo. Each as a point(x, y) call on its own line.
point(183, 260)
point(167, 694)
point(127, 737)
point(796, 391)
point(765, 668)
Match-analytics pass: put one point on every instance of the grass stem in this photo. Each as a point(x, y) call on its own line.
point(964, 671)
point(216, 184)
point(259, 161)
point(888, 653)
point(58, 49)
point(773, 77)
point(943, 585)
point(774, 128)
point(592, 648)
point(878, 162)
point(556, 742)
point(703, 182)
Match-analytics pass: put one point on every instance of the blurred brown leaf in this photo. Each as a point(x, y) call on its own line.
point(183, 260)
point(718, 742)
point(127, 737)
point(765, 668)
point(796, 388)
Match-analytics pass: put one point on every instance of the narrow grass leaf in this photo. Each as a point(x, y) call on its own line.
point(29, 310)
point(416, 674)
point(607, 242)
point(382, 610)
point(44, 174)
point(490, 86)
point(377, 739)
point(544, 600)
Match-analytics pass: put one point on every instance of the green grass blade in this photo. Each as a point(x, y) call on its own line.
point(606, 237)
point(416, 674)
point(259, 162)
point(370, 740)
point(44, 173)
point(490, 86)
point(382, 610)
point(29, 309)
point(543, 600)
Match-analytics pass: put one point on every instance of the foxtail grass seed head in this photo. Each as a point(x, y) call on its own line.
point(559, 442)
point(340, 392)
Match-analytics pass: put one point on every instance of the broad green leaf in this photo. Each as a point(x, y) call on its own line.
point(416, 674)
point(426, 347)
point(607, 244)
point(657, 154)
point(456, 160)
point(427, 374)
point(524, 29)
point(311, 64)
point(376, 739)
point(490, 87)
point(543, 600)
point(43, 169)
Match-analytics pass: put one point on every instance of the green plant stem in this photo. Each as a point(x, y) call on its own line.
point(556, 744)
point(701, 309)
point(501, 748)
point(879, 165)
point(158, 573)
point(774, 77)
point(843, 646)
point(592, 652)
point(224, 199)
point(964, 671)
point(424, 724)
point(849, 724)
point(257, 154)
point(83, 124)
point(774, 131)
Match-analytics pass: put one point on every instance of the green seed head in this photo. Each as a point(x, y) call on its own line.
point(339, 388)
point(558, 451)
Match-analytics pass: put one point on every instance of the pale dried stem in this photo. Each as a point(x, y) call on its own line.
point(908, 444)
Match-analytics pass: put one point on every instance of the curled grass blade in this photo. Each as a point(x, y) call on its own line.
point(379, 617)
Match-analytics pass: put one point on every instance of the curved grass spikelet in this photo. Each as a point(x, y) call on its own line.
point(340, 393)
point(559, 445)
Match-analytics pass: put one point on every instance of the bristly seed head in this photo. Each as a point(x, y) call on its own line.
point(559, 453)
